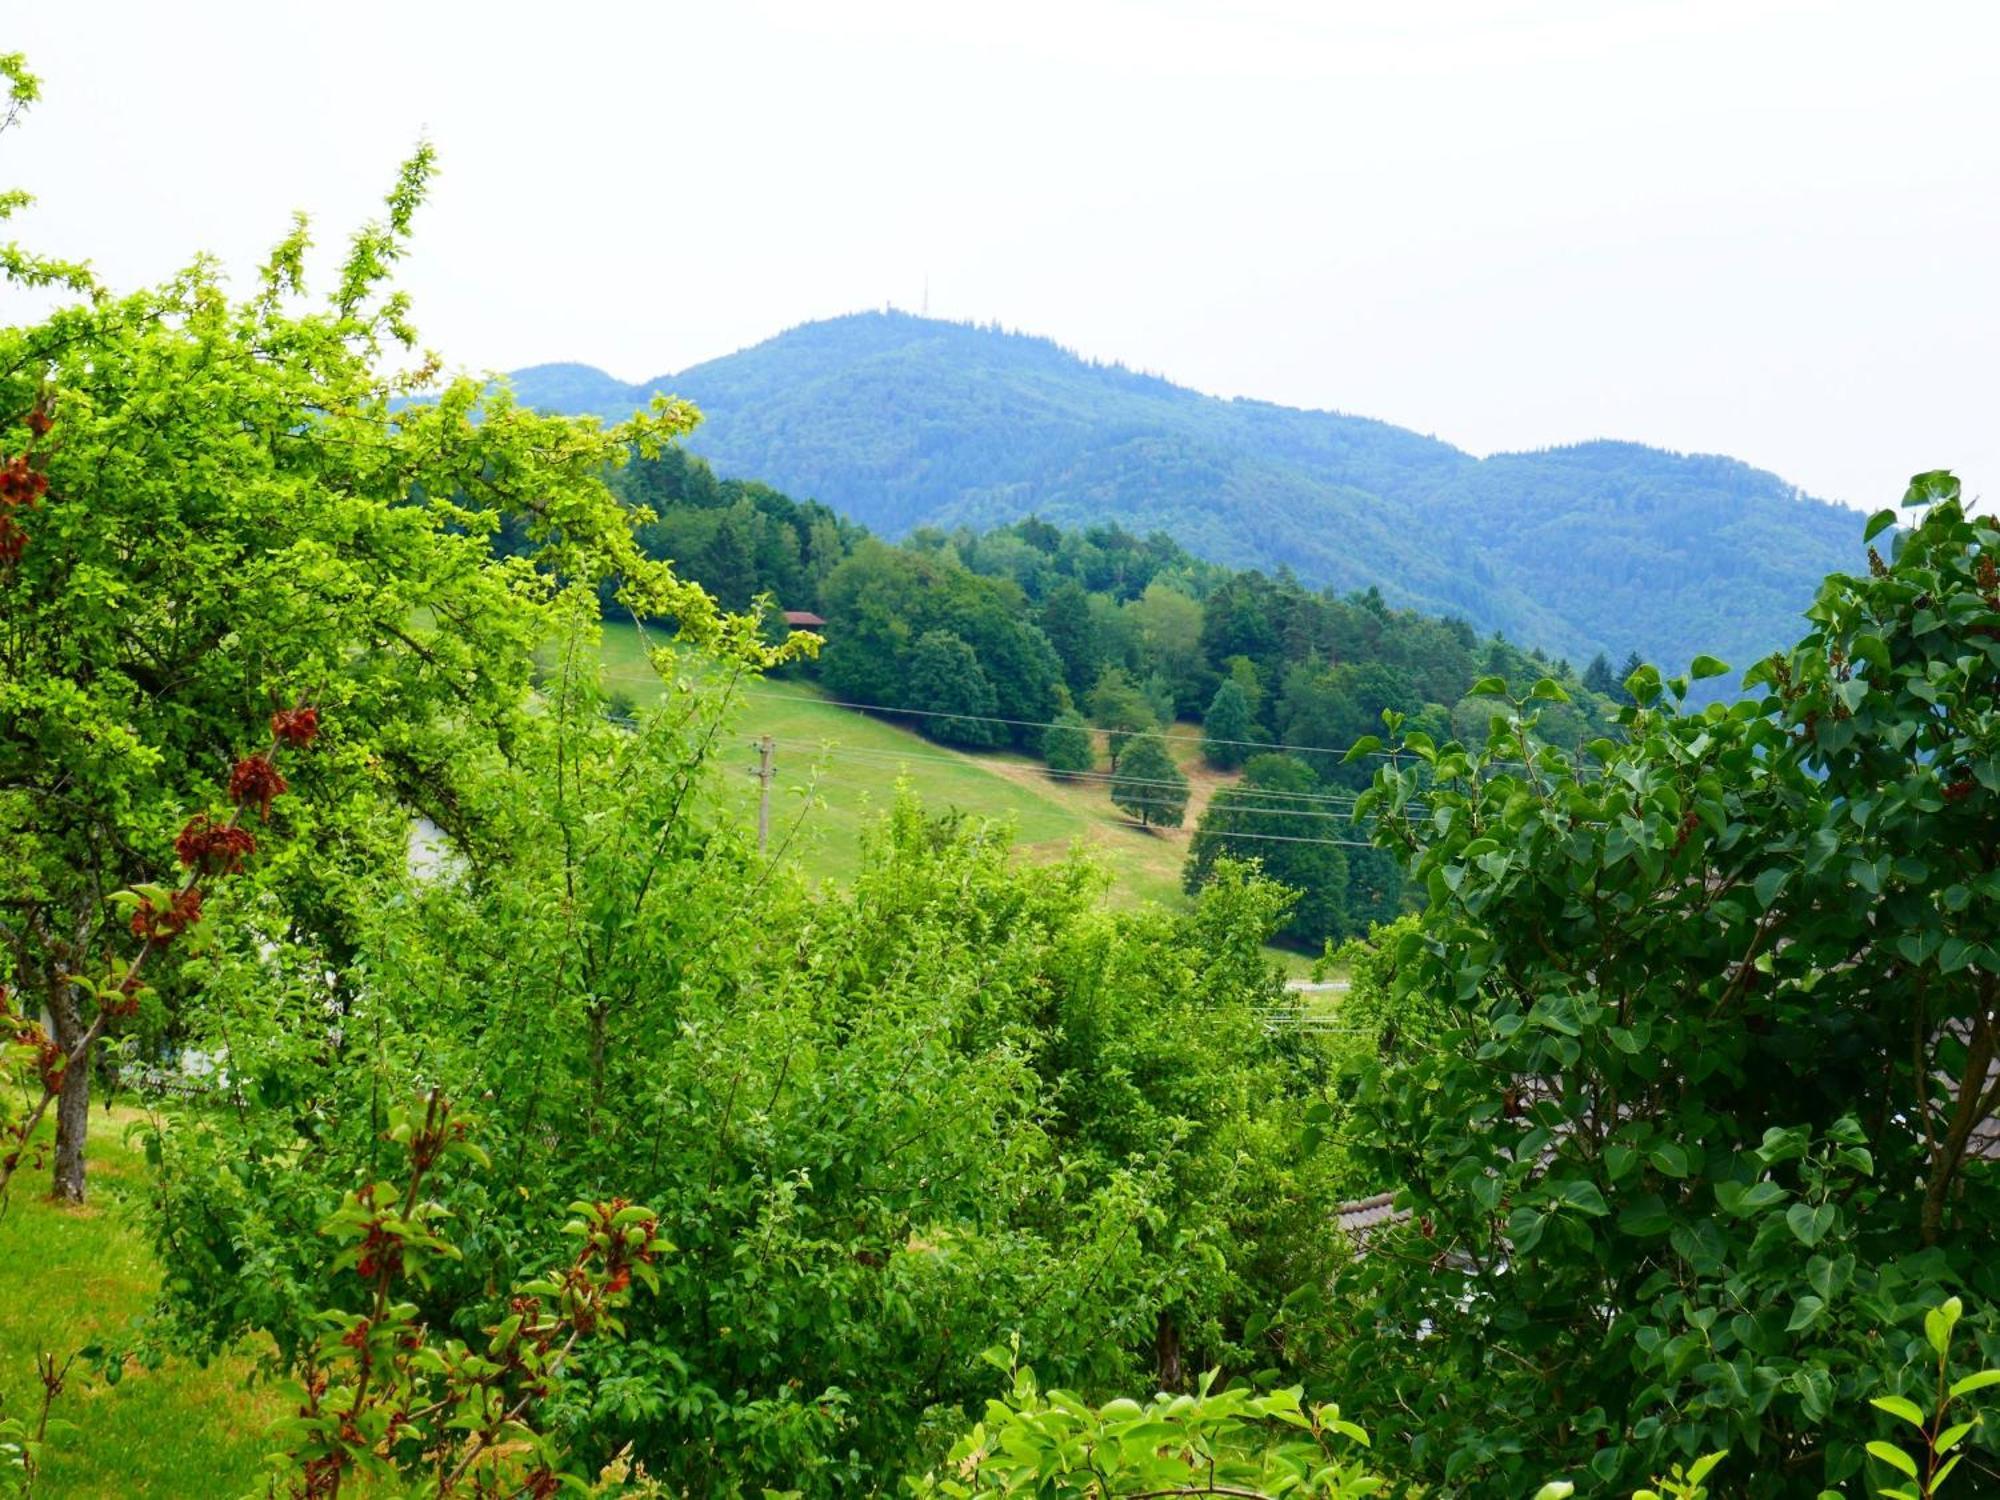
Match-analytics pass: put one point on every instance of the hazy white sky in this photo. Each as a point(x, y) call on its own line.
point(1764, 229)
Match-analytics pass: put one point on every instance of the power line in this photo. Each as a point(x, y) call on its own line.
point(886, 756)
point(1279, 838)
point(1137, 734)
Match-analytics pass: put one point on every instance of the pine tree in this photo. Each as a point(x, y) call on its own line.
point(1226, 727)
point(1632, 664)
point(1149, 785)
point(1597, 676)
point(1067, 622)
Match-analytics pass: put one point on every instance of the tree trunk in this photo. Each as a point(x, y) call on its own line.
point(1168, 1369)
point(73, 1103)
point(1977, 1096)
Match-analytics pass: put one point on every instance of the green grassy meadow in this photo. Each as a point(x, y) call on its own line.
point(70, 1276)
point(838, 769)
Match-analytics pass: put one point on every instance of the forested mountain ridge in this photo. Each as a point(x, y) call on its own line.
point(900, 421)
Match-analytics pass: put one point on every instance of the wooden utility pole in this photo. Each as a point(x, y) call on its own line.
point(766, 749)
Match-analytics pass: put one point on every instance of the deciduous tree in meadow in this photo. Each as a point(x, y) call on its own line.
point(1148, 784)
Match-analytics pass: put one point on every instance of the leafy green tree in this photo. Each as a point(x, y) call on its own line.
point(730, 568)
point(1226, 727)
point(946, 681)
point(1068, 745)
point(1244, 673)
point(1374, 887)
point(228, 518)
point(1721, 1047)
point(887, 598)
point(1148, 785)
point(1274, 817)
point(1121, 710)
point(1166, 626)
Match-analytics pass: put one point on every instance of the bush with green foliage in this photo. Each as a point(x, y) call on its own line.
point(1723, 1035)
point(884, 1126)
point(1068, 745)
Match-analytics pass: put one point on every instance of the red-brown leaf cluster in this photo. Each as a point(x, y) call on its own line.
point(20, 488)
point(254, 781)
point(297, 727)
point(213, 847)
point(183, 910)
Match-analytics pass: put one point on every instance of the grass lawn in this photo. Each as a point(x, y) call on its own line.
point(69, 1276)
point(837, 769)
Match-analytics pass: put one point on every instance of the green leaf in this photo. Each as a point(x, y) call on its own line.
point(1488, 687)
point(1743, 1201)
point(1549, 690)
point(1809, 1223)
point(1707, 666)
point(1878, 523)
point(1769, 883)
point(1952, 1436)
point(1940, 1321)
point(1556, 1489)
point(1583, 1196)
point(1894, 1457)
point(1929, 488)
point(1645, 1218)
point(1368, 744)
point(1669, 1158)
point(1805, 1312)
point(1702, 1467)
point(1976, 1382)
point(1524, 1229)
point(1899, 1406)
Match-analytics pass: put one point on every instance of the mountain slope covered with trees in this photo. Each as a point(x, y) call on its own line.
point(901, 422)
